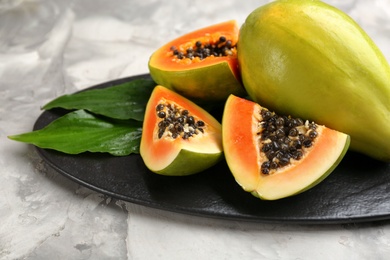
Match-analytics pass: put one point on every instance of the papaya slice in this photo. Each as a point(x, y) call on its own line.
point(178, 137)
point(273, 156)
point(201, 65)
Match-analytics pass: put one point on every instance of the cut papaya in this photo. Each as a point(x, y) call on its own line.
point(201, 65)
point(178, 137)
point(273, 156)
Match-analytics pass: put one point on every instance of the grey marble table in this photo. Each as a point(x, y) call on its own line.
point(49, 48)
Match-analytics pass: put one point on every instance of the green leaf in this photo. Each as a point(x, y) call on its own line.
point(80, 131)
point(124, 101)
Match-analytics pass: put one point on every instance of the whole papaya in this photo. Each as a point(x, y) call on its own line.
point(311, 60)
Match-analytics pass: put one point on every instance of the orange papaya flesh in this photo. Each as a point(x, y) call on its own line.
point(174, 145)
point(243, 143)
point(202, 77)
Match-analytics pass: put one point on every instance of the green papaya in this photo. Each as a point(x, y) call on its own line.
point(311, 60)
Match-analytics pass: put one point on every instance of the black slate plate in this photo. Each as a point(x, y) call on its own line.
point(358, 190)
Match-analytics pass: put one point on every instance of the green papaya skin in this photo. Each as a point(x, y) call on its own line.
point(311, 60)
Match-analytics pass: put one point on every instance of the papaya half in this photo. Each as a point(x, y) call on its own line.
point(274, 156)
point(178, 137)
point(311, 60)
point(201, 65)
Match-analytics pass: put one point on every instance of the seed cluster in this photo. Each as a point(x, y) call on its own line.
point(283, 138)
point(223, 47)
point(177, 122)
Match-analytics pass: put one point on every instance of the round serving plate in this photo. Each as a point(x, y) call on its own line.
point(358, 190)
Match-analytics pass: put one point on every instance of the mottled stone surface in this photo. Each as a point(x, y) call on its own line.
point(49, 48)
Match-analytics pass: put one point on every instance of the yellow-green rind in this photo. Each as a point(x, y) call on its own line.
point(188, 163)
point(212, 83)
